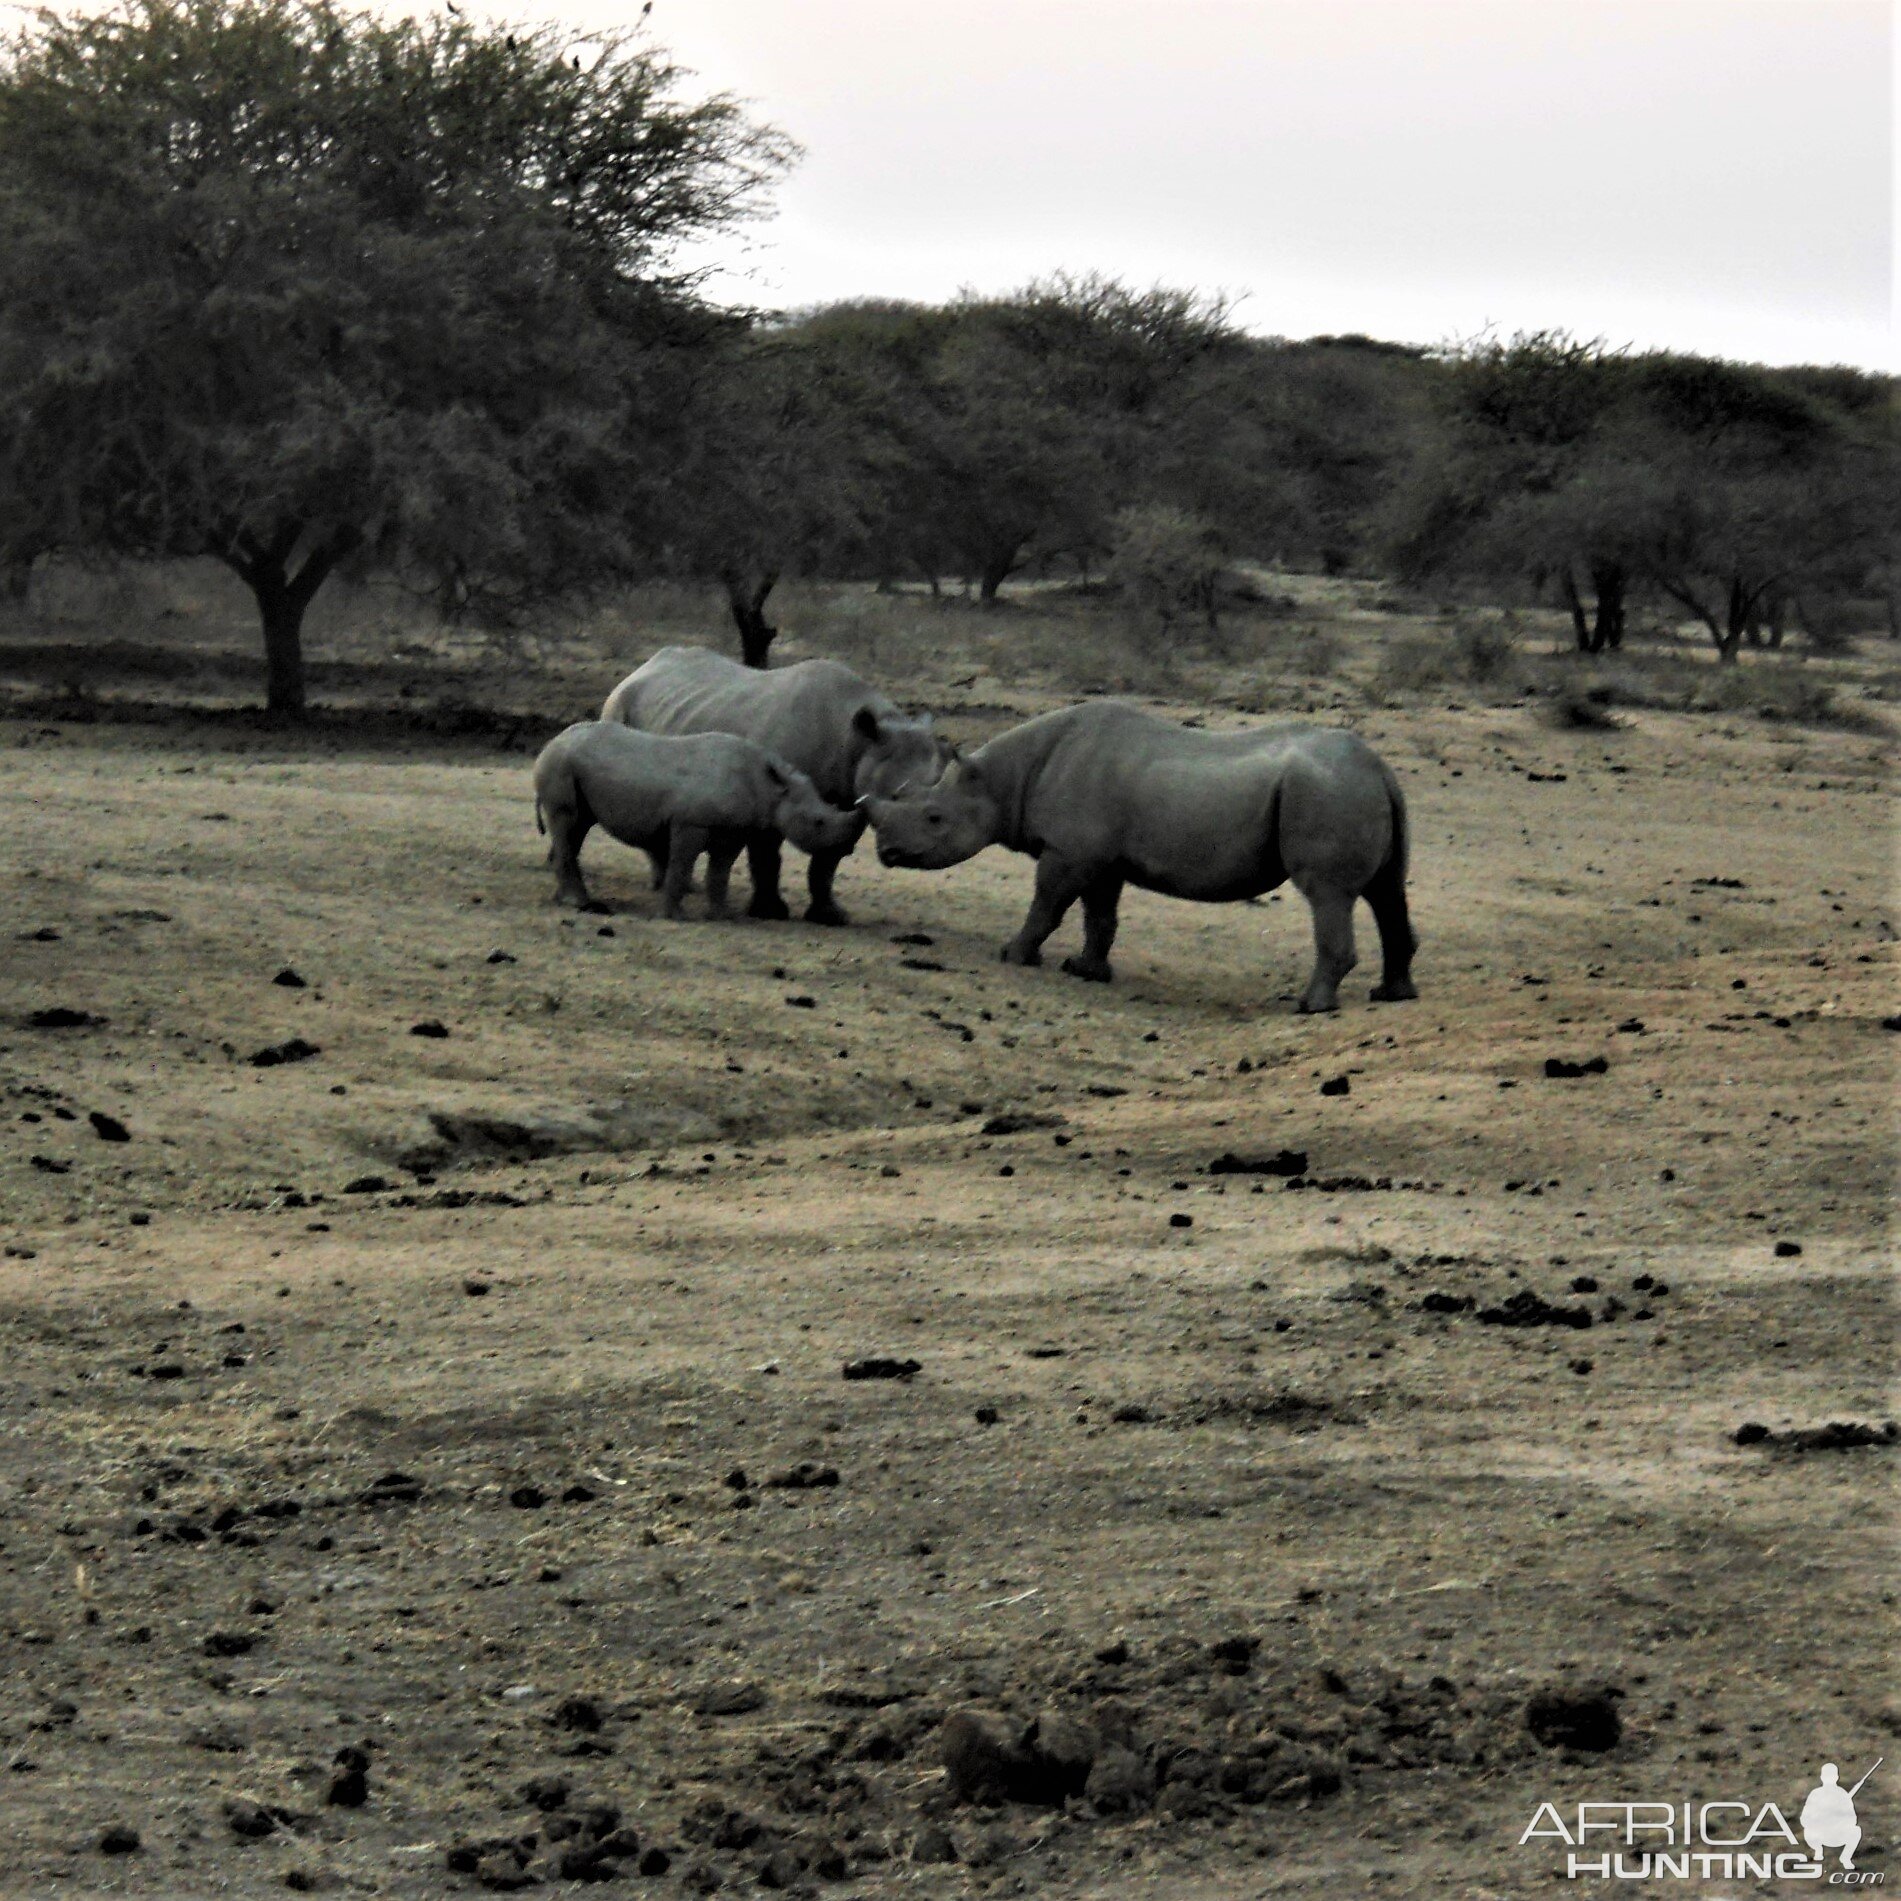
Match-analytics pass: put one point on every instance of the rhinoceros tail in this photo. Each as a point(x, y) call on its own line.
point(1399, 851)
point(539, 826)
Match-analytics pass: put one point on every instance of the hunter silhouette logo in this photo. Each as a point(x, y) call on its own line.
point(1714, 1841)
point(1828, 1816)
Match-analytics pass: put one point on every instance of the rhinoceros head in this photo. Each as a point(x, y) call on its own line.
point(805, 818)
point(898, 754)
point(943, 825)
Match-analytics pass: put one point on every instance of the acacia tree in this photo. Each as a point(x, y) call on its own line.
point(1762, 486)
point(295, 287)
point(1528, 478)
point(784, 465)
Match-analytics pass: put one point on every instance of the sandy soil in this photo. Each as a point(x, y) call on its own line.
point(396, 1398)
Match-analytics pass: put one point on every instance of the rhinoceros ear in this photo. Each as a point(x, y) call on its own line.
point(864, 723)
point(778, 772)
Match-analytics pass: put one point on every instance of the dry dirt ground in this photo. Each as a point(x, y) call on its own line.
point(397, 1398)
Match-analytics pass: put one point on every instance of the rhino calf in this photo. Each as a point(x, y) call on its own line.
point(1104, 795)
point(674, 799)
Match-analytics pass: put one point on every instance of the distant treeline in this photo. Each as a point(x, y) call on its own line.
point(307, 291)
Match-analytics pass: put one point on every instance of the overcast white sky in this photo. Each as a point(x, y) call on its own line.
point(1714, 175)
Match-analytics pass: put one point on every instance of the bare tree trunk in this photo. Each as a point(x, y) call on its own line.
point(1575, 602)
point(999, 563)
point(1612, 586)
point(748, 605)
point(283, 598)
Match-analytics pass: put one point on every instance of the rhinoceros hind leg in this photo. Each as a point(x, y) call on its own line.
point(1101, 895)
point(1016, 953)
point(567, 830)
point(1387, 897)
point(1333, 949)
point(762, 860)
point(824, 908)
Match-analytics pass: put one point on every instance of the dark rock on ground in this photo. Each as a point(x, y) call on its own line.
point(989, 1757)
point(293, 1049)
point(60, 1016)
point(1526, 1309)
point(1337, 1086)
point(118, 1839)
point(1016, 1124)
point(1286, 1162)
point(1556, 1067)
point(1584, 1719)
point(249, 1819)
point(803, 1477)
point(350, 1786)
point(545, 1792)
point(108, 1128)
point(880, 1367)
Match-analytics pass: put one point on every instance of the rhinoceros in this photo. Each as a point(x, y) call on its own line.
point(1105, 794)
point(674, 798)
point(819, 715)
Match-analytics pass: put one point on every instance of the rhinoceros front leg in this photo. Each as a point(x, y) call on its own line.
point(720, 854)
point(762, 860)
point(824, 908)
point(684, 846)
point(1101, 895)
point(1058, 885)
point(1333, 948)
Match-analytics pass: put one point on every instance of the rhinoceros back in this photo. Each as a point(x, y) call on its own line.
point(803, 713)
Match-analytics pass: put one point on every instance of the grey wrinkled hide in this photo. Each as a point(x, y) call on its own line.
point(674, 798)
point(1104, 795)
point(836, 728)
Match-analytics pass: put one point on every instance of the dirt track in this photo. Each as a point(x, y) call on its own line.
point(693, 1169)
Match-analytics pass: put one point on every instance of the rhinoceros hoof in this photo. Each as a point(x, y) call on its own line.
point(1305, 1008)
point(826, 913)
point(1014, 953)
point(1401, 992)
point(1089, 971)
point(769, 905)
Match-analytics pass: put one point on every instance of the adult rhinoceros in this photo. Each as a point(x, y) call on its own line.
point(1104, 794)
point(837, 729)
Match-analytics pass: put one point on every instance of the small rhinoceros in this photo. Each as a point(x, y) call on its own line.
point(818, 715)
point(1104, 794)
point(674, 799)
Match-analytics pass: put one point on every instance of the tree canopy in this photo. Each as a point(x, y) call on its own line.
point(295, 286)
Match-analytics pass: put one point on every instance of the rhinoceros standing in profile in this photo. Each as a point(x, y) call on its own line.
point(673, 799)
point(1104, 795)
point(841, 732)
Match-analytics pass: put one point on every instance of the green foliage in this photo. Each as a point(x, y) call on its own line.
point(1725, 487)
point(293, 286)
point(1167, 564)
